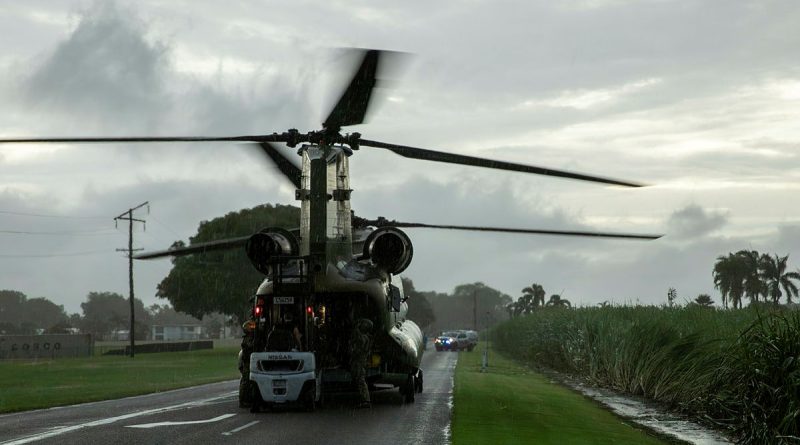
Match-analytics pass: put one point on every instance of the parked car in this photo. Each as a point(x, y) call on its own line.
point(467, 340)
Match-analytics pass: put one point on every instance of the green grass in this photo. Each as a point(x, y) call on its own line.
point(513, 405)
point(35, 384)
point(739, 369)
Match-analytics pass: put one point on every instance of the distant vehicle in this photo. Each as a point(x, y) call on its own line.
point(469, 342)
point(448, 341)
point(456, 341)
point(466, 340)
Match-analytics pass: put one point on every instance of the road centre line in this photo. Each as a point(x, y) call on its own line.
point(181, 422)
point(236, 430)
point(109, 420)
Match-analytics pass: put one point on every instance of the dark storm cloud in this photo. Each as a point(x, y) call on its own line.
point(693, 221)
point(110, 77)
point(105, 73)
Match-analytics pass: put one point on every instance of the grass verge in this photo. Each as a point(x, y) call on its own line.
point(47, 383)
point(513, 405)
point(738, 369)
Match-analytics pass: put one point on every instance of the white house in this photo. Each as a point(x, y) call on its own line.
point(177, 332)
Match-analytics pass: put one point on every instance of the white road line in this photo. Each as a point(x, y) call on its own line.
point(182, 422)
point(236, 430)
point(106, 421)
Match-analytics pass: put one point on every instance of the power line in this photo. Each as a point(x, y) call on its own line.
point(99, 232)
point(43, 215)
point(54, 255)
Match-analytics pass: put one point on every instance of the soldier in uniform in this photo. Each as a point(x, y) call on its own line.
point(359, 352)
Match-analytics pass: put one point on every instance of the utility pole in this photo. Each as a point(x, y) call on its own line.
point(475, 310)
point(128, 216)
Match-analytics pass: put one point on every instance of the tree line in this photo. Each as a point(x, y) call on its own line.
point(103, 313)
point(755, 276)
point(468, 306)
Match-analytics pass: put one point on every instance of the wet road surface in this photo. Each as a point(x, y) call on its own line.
point(210, 414)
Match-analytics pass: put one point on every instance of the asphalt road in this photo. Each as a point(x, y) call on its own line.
point(210, 414)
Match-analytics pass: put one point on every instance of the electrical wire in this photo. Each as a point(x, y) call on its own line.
point(100, 232)
point(42, 215)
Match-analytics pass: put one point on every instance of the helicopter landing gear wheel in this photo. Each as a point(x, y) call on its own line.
point(409, 389)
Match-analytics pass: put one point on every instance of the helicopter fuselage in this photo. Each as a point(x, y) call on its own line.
point(320, 289)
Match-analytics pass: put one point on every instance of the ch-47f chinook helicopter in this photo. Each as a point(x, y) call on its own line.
point(336, 270)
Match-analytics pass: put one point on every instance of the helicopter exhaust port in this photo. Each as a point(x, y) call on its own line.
point(389, 248)
point(267, 244)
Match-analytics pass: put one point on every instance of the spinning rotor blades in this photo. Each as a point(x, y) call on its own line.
point(451, 158)
point(224, 244)
point(285, 166)
point(381, 222)
point(351, 109)
point(352, 106)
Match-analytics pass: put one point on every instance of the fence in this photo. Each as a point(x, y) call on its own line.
point(45, 346)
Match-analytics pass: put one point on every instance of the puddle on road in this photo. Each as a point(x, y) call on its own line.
point(651, 417)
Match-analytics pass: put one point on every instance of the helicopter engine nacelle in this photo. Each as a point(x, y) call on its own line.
point(389, 249)
point(267, 244)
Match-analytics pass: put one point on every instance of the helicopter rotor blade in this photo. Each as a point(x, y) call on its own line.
point(352, 105)
point(224, 244)
point(274, 137)
point(452, 158)
point(381, 222)
point(289, 170)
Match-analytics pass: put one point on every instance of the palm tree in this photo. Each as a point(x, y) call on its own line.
point(754, 286)
point(773, 272)
point(704, 300)
point(533, 296)
point(729, 275)
point(557, 301)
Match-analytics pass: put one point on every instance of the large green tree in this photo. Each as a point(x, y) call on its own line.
point(532, 297)
point(44, 313)
point(419, 308)
point(468, 305)
point(104, 312)
point(556, 301)
point(12, 310)
point(729, 274)
point(703, 300)
point(21, 315)
point(222, 281)
point(777, 279)
point(754, 286)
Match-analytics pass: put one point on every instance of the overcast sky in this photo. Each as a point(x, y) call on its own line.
point(699, 99)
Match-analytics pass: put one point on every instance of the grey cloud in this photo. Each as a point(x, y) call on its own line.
point(106, 72)
point(788, 241)
point(747, 164)
point(693, 221)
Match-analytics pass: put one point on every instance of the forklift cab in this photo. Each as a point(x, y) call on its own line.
point(284, 321)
